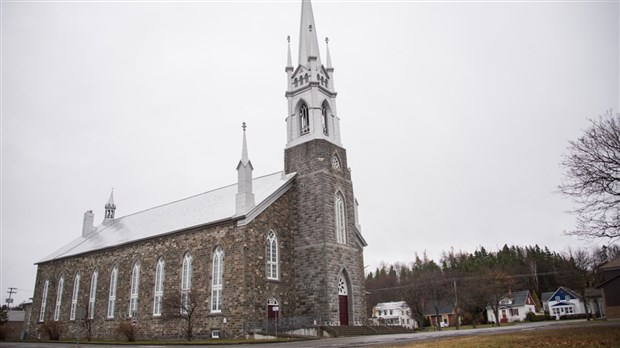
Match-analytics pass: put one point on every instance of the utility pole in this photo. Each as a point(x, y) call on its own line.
point(10, 300)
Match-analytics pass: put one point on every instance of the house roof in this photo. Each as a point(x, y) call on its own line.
point(545, 296)
point(199, 210)
point(613, 264)
point(443, 309)
point(566, 290)
point(391, 305)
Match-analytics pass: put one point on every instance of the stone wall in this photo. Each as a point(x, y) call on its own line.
point(245, 293)
point(320, 259)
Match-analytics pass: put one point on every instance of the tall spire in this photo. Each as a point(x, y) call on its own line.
point(110, 208)
point(245, 196)
point(308, 42)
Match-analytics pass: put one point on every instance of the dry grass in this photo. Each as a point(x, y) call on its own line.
point(583, 336)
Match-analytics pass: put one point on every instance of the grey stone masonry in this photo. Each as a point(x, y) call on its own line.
point(320, 260)
point(246, 288)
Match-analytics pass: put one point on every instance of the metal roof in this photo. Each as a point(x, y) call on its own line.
point(202, 209)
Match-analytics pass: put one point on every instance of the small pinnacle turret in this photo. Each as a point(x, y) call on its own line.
point(245, 196)
point(110, 208)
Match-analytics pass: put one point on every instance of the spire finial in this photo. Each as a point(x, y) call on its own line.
point(244, 126)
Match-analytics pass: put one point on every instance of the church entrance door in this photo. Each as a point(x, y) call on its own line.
point(343, 301)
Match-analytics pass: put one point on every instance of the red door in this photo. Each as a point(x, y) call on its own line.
point(344, 309)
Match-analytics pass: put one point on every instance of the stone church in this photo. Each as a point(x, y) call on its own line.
point(284, 247)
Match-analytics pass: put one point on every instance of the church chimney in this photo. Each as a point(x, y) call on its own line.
point(110, 208)
point(245, 196)
point(87, 226)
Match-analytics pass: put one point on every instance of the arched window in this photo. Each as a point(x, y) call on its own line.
point(93, 295)
point(135, 286)
point(61, 284)
point(304, 118)
point(324, 118)
point(217, 284)
point(272, 255)
point(186, 282)
point(112, 292)
point(340, 219)
point(74, 297)
point(158, 293)
point(296, 82)
point(44, 300)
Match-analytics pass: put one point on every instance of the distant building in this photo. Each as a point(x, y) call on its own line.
point(394, 314)
point(446, 317)
point(610, 288)
point(14, 327)
point(564, 301)
point(285, 246)
point(513, 307)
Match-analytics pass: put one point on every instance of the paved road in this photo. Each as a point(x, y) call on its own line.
point(360, 341)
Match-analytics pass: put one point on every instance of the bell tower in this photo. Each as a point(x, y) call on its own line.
point(329, 271)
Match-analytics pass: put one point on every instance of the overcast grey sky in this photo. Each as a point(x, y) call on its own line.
point(455, 115)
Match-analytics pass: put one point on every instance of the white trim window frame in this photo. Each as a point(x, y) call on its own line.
point(158, 292)
point(186, 282)
point(134, 290)
point(61, 284)
point(112, 292)
point(340, 211)
point(92, 296)
point(217, 286)
point(74, 296)
point(44, 300)
point(272, 256)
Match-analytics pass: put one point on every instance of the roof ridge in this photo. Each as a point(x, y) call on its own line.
point(186, 198)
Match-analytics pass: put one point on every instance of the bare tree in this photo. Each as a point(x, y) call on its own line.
point(498, 284)
point(592, 178)
point(182, 305)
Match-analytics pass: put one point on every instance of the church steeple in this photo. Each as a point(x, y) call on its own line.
point(310, 91)
point(110, 208)
point(308, 42)
point(245, 196)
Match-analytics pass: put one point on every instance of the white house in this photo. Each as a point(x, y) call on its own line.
point(394, 314)
point(513, 307)
point(565, 301)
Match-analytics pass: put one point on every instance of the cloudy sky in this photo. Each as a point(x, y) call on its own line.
point(455, 115)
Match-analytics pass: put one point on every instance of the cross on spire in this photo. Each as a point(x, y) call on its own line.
point(244, 126)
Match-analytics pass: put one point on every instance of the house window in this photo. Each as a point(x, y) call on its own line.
point(217, 281)
point(340, 219)
point(93, 295)
point(570, 310)
point(557, 299)
point(61, 284)
point(158, 292)
point(304, 119)
point(514, 312)
point(133, 294)
point(272, 255)
point(44, 300)
point(567, 298)
point(112, 293)
point(186, 282)
point(74, 298)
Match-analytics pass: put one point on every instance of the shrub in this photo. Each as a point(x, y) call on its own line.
point(127, 329)
point(531, 316)
point(53, 330)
